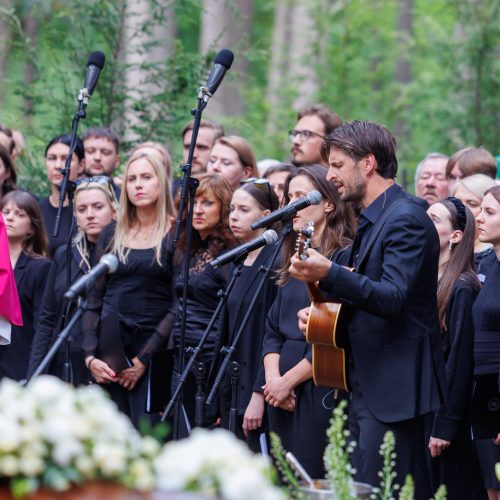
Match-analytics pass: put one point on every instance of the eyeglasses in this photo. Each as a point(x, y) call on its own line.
point(98, 179)
point(304, 135)
point(103, 180)
point(259, 183)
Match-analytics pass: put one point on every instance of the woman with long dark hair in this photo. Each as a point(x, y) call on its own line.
point(211, 236)
point(299, 411)
point(56, 153)
point(254, 199)
point(95, 207)
point(452, 461)
point(487, 348)
point(28, 248)
point(124, 309)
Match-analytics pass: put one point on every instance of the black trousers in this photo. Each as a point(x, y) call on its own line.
point(368, 433)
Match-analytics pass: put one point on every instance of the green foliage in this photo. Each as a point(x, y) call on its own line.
point(441, 493)
point(337, 454)
point(284, 470)
point(408, 490)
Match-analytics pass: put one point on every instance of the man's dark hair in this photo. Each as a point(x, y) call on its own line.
point(103, 133)
point(330, 119)
point(218, 129)
point(357, 139)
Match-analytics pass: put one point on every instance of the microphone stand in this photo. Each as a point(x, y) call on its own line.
point(196, 351)
point(188, 190)
point(228, 352)
point(60, 339)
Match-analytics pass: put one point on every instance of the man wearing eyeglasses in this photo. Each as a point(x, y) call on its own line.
point(314, 123)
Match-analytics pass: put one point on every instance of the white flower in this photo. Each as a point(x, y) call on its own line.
point(110, 458)
point(30, 465)
point(10, 435)
point(9, 466)
point(66, 450)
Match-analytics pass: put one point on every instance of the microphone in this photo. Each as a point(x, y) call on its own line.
point(107, 264)
point(312, 198)
point(267, 238)
point(94, 67)
point(222, 63)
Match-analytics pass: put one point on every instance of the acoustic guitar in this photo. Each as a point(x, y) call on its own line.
point(326, 329)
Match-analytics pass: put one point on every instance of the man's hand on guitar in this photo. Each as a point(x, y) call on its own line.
point(314, 268)
point(303, 316)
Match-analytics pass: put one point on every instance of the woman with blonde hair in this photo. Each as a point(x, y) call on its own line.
point(95, 207)
point(124, 309)
point(470, 191)
point(233, 158)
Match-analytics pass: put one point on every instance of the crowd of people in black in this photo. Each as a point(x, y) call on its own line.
point(418, 278)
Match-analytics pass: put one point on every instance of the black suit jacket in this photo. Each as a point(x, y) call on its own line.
point(393, 326)
point(30, 275)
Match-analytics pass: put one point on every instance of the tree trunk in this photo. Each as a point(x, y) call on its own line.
point(227, 24)
point(4, 46)
point(278, 65)
point(146, 42)
point(30, 28)
point(302, 59)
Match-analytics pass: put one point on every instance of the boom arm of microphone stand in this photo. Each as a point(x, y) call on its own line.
point(229, 351)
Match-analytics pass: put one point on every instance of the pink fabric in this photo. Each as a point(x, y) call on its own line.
point(10, 308)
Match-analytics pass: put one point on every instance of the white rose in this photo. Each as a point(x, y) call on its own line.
point(65, 451)
point(9, 466)
point(10, 435)
point(30, 465)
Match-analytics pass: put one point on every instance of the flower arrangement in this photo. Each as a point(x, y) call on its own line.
point(215, 463)
point(53, 435)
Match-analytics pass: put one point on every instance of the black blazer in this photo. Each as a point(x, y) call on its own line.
point(30, 274)
point(48, 326)
point(393, 326)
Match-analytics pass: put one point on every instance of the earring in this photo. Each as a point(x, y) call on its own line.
point(450, 245)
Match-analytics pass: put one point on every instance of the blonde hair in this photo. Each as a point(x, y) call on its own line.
point(477, 184)
point(127, 212)
point(80, 241)
point(155, 148)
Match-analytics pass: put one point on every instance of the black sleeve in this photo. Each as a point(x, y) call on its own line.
point(459, 367)
point(47, 315)
point(273, 339)
point(92, 306)
point(405, 257)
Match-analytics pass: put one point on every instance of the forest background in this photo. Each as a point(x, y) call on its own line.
point(427, 69)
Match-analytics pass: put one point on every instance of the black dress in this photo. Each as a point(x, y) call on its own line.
point(202, 299)
point(30, 274)
point(248, 353)
point(53, 307)
point(486, 316)
point(133, 301)
point(457, 466)
point(49, 214)
point(484, 260)
point(303, 431)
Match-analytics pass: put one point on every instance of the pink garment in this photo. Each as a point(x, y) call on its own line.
point(10, 309)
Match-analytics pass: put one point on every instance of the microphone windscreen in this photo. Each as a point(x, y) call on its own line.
point(314, 197)
point(225, 58)
point(111, 261)
point(97, 58)
point(270, 236)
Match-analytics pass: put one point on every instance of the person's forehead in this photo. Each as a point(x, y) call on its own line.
point(435, 165)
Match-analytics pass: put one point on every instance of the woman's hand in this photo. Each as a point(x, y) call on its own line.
point(254, 413)
point(277, 391)
point(437, 446)
point(129, 377)
point(101, 371)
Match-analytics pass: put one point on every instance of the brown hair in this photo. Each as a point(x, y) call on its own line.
point(243, 149)
point(37, 243)
point(340, 226)
point(218, 129)
point(103, 133)
point(9, 184)
point(495, 192)
point(472, 161)
point(221, 237)
point(8, 132)
point(461, 265)
point(330, 119)
point(358, 139)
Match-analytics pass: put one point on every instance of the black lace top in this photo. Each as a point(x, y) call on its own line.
point(140, 293)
